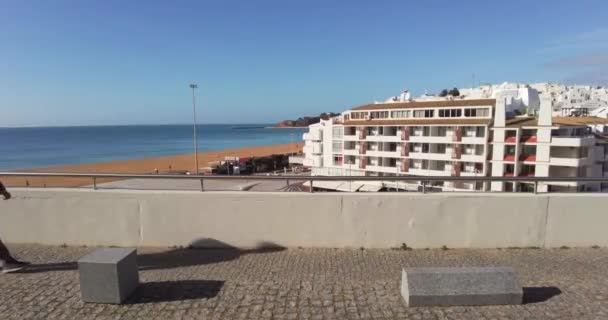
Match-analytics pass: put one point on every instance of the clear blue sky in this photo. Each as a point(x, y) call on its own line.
point(130, 62)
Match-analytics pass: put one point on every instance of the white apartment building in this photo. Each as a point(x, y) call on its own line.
point(458, 137)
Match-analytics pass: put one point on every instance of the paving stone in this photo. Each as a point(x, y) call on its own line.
point(228, 284)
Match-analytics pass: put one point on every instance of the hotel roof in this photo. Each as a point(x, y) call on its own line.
point(427, 104)
point(422, 121)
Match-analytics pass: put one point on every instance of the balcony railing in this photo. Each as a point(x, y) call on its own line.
point(424, 180)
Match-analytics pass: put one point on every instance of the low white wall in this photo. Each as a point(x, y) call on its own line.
point(252, 219)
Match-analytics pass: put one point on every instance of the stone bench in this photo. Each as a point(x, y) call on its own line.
point(108, 275)
point(460, 286)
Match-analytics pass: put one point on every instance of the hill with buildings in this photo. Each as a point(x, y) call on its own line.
point(305, 121)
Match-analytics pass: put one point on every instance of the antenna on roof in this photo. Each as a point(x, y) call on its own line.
point(473, 80)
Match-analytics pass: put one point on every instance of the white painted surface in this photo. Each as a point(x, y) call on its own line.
point(249, 219)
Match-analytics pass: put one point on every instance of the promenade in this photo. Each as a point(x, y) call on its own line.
point(302, 284)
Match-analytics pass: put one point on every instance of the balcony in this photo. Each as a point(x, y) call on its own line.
point(528, 139)
point(351, 152)
point(509, 157)
point(430, 156)
point(431, 139)
point(473, 140)
point(527, 157)
point(572, 142)
point(472, 157)
point(383, 169)
point(527, 174)
point(428, 172)
point(383, 138)
point(569, 162)
point(386, 154)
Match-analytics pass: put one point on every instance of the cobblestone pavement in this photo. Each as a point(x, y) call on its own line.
point(302, 284)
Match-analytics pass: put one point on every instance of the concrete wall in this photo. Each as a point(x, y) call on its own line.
point(249, 219)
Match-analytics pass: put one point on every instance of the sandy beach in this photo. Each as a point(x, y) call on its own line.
point(163, 164)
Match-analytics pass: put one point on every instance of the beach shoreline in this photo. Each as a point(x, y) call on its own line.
point(184, 162)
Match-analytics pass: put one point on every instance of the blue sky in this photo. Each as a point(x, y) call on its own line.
point(130, 62)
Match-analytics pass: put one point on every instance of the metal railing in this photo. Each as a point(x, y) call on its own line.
point(425, 181)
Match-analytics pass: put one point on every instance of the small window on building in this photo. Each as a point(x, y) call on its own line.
point(425, 147)
point(337, 146)
point(379, 115)
point(337, 132)
point(400, 114)
point(482, 112)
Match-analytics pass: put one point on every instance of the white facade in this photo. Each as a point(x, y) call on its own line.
point(509, 132)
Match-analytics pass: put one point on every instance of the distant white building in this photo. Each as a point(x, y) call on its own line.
point(503, 130)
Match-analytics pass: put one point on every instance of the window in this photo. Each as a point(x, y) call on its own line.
point(346, 117)
point(442, 131)
point(338, 160)
point(425, 148)
point(441, 148)
point(480, 132)
point(337, 146)
point(423, 113)
point(476, 112)
point(379, 115)
point(337, 132)
point(450, 113)
point(400, 114)
point(358, 115)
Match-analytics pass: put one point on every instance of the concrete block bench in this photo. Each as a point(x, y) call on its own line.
point(108, 275)
point(460, 286)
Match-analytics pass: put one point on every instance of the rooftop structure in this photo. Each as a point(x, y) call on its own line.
point(498, 131)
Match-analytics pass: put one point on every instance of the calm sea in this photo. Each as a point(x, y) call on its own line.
point(56, 146)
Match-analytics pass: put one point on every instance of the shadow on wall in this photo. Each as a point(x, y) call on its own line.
point(540, 294)
point(199, 252)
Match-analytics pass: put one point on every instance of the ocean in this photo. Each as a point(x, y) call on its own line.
point(40, 147)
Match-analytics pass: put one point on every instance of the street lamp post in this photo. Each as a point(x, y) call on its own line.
point(194, 86)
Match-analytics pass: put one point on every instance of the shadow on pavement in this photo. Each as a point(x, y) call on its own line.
point(165, 291)
point(540, 294)
point(200, 252)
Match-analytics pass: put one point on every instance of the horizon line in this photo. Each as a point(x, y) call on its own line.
point(131, 125)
